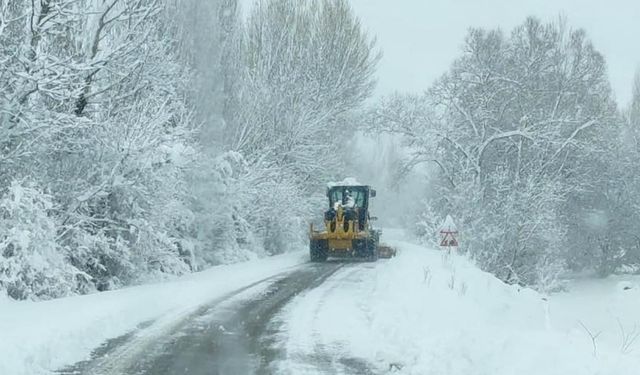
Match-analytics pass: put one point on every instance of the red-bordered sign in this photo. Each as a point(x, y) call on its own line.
point(448, 239)
point(448, 233)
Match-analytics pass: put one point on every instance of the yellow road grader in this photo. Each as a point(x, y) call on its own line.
point(347, 228)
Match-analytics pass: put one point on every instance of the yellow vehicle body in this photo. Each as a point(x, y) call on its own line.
point(347, 231)
point(340, 234)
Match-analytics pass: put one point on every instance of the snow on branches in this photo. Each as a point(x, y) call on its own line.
point(93, 112)
point(31, 262)
point(510, 128)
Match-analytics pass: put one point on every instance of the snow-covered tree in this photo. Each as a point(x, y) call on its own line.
point(93, 112)
point(307, 63)
point(31, 263)
point(304, 66)
point(609, 240)
point(508, 129)
point(155, 137)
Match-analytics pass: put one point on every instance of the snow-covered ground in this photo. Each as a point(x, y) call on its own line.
point(425, 313)
point(419, 313)
point(38, 337)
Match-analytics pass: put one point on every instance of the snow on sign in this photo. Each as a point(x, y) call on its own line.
point(448, 233)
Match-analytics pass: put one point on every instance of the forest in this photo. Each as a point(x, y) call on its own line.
point(144, 139)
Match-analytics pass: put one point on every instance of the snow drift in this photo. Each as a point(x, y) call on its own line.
point(428, 313)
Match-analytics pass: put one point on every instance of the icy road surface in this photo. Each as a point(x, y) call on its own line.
point(231, 335)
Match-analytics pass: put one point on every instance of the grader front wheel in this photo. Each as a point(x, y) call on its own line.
point(372, 251)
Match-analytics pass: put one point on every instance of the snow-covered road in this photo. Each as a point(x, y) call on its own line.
point(423, 312)
point(37, 338)
point(229, 335)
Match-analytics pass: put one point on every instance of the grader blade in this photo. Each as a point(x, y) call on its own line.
point(385, 251)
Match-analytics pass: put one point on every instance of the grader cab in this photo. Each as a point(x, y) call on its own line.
point(347, 228)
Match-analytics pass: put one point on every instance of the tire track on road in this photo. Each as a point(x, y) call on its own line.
point(323, 359)
point(224, 336)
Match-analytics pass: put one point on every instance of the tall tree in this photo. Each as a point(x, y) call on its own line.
point(509, 128)
point(93, 118)
point(305, 66)
point(612, 218)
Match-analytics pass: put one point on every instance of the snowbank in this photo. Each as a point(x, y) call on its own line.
point(427, 313)
point(38, 337)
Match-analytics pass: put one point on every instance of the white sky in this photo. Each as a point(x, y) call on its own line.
point(420, 38)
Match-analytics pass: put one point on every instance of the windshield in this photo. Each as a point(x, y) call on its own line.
point(341, 195)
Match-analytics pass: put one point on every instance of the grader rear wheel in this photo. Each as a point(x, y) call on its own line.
point(318, 250)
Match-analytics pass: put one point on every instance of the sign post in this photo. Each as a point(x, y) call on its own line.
point(448, 234)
